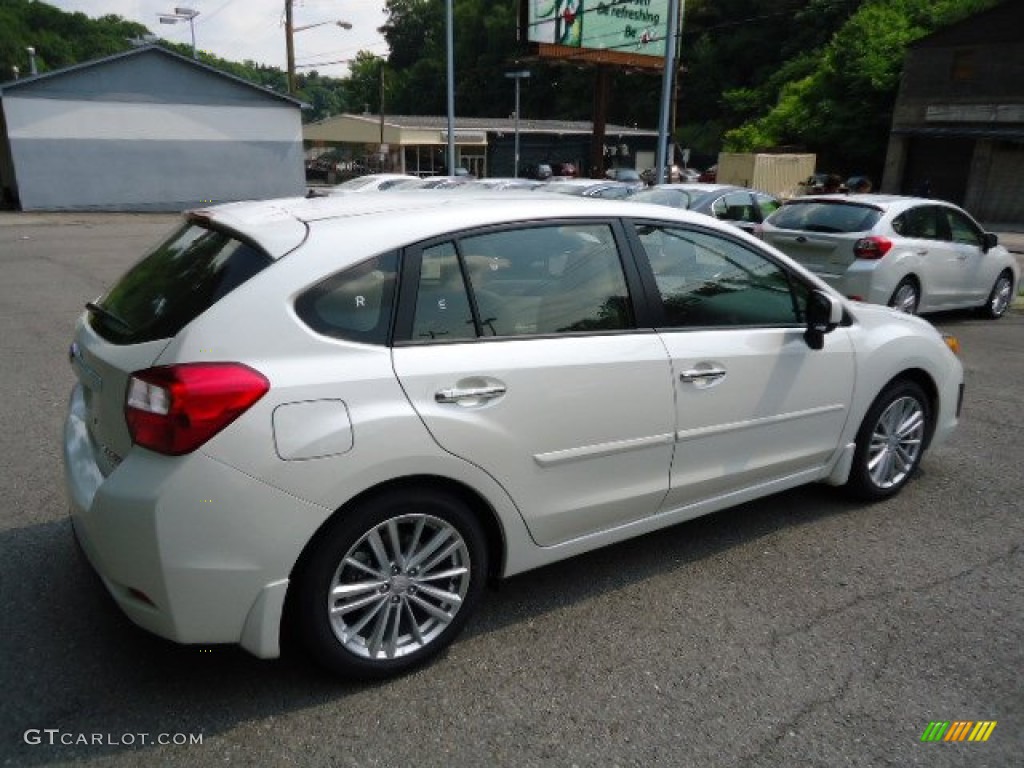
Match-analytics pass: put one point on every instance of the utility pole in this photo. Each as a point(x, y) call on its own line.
point(450, 44)
point(289, 36)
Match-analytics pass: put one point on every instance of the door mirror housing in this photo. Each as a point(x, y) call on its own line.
point(824, 314)
point(989, 240)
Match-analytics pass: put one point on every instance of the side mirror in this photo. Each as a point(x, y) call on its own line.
point(989, 240)
point(824, 314)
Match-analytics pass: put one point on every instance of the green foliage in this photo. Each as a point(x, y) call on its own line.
point(841, 108)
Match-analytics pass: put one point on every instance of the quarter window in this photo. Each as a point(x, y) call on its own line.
point(921, 223)
point(354, 304)
point(705, 280)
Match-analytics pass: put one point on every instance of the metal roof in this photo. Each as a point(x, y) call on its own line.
point(27, 82)
point(492, 124)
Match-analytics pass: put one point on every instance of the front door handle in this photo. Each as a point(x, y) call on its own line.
point(470, 395)
point(702, 374)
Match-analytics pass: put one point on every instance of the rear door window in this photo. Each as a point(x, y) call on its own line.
point(536, 280)
point(184, 276)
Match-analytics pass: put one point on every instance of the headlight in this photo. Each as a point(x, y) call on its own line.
point(952, 342)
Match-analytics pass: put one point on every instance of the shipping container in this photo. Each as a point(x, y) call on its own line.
point(780, 175)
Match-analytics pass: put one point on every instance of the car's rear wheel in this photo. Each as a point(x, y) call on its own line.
point(1000, 297)
point(890, 442)
point(391, 583)
point(906, 297)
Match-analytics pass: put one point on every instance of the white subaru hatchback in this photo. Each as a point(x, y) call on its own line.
point(911, 253)
point(345, 415)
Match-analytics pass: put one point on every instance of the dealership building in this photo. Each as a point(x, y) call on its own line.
point(418, 145)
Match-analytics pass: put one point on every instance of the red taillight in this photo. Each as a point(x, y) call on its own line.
point(872, 247)
point(174, 409)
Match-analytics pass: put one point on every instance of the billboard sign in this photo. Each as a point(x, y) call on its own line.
point(622, 31)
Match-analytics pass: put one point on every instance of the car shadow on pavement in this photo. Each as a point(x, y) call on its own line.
point(79, 666)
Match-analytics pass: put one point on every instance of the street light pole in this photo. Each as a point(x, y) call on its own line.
point(517, 76)
point(289, 38)
point(671, 30)
point(183, 14)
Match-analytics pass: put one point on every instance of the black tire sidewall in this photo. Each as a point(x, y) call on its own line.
point(313, 580)
point(860, 482)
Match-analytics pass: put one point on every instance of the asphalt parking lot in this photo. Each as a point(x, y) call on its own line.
point(800, 630)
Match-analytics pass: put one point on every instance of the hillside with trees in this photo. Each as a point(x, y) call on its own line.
point(814, 75)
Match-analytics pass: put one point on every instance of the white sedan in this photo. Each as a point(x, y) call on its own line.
point(350, 413)
point(911, 253)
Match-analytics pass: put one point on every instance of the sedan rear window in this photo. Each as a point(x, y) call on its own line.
point(821, 216)
point(184, 276)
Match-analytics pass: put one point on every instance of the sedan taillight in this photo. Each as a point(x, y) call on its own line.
point(174, 409)
point(872, 247)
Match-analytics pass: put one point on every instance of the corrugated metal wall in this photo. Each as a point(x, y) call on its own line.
point(1002, 199)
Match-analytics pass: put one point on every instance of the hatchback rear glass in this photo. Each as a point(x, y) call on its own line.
point(184, 276)
point(821, 216)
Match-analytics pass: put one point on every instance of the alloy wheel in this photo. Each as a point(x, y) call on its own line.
point(896, 442)
point(399, 587)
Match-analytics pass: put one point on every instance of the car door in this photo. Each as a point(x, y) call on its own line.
point(971, 277)
point(521, 354)
point(928, 252)
point(754, 404)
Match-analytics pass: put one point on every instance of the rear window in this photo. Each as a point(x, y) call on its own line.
point(184, 276)
point(820, 216)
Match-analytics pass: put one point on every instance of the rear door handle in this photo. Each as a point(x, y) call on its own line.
point(702, 374)
point(470, 395)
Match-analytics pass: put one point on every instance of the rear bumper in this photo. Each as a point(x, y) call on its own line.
point(190, 548)
point(860, 282)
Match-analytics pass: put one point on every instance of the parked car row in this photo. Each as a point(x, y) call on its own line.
point(914, 254)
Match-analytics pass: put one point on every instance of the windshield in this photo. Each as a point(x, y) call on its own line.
point(183, 277)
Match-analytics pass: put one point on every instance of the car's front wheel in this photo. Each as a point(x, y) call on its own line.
point(906, 297)
point(1000, 297)
point(391, 583)
point(890, 442)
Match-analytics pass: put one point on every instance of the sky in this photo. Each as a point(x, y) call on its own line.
point(238, 30)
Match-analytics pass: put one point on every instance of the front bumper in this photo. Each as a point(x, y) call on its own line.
point(190, 548)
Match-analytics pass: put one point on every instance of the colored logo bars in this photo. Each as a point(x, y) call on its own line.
point(958, 730)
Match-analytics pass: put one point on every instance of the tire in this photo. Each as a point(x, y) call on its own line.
point(890, 442)
point(411, 566)
point(1000, 298)
point(906, 297)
